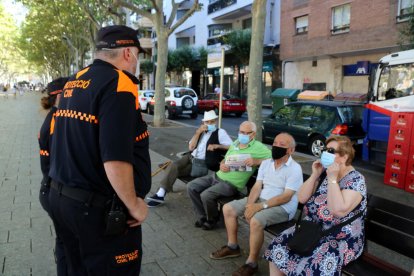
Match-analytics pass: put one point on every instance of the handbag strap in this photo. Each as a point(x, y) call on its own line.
point(196, 146)
point(338, 226)
point(321, 179)
point(342, 224)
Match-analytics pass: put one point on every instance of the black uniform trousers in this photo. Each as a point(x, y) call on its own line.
point(88, 251)
point(62, 269)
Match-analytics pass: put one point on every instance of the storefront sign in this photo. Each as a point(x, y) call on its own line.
point(361, 68)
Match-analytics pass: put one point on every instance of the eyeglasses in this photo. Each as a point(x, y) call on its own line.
point(245, 133)
point(329, 150)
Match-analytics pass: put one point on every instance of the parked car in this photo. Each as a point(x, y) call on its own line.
point(311, 122)
point(231, 104)
point(144, 97)
point(178, 101)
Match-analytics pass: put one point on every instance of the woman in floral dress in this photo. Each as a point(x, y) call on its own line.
point(341, 196)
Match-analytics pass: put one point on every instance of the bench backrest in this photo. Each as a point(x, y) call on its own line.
point(391, 225)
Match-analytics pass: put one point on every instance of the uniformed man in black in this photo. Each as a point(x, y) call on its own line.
point(100, 149)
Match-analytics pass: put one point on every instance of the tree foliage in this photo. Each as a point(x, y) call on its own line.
point(146, 66)
point(239, 43)
point(48, 22)
point(406, 32)
point(12, 62)
point(42, 35)
point(164, 27)
point(187, 57)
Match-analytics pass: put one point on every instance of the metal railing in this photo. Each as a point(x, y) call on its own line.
point(219, 5)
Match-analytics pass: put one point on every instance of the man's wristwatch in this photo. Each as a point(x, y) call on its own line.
point(264, 205)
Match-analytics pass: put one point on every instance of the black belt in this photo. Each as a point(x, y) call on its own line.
point(84, 196)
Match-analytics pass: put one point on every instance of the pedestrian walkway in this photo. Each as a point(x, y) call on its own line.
point(171, 243)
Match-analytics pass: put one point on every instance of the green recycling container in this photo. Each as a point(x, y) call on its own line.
point(282, 96)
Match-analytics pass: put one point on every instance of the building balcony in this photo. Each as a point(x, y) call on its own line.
point(144, 22)
point(146, 42)
point(219, 5)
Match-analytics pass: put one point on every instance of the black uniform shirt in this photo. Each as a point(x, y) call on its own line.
point(45, 141)
point(99, 120)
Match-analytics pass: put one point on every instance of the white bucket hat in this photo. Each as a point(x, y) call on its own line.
point(209, 115)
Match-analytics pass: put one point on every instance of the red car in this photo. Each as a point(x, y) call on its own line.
point(231, 104)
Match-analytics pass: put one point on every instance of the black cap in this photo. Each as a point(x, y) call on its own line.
point(117, 36)
point(56, 86)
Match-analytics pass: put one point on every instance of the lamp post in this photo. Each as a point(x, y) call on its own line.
point(69, 42)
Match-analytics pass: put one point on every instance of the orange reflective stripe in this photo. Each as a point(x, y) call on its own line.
point(52, 124)
point(125, 84)
point(142, 136)
point(55, 92)
point(44, 152)
point(77, 115)
point(80, 73)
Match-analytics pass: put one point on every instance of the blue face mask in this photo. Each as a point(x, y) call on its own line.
point(327, 159)
point(244, 139)
point(211, 128)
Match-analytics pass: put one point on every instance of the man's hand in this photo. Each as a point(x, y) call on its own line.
point(251, 209)
point(201, 129)
point(139, 213)
point(212, 147)
point(249, 162)
point(224, 167)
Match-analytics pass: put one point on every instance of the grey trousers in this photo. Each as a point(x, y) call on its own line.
point(181, 167)
point(204, 192)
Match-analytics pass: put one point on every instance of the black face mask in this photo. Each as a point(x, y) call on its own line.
point(278, 152)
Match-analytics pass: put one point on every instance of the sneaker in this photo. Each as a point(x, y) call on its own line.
point(199, 223)
point(225, 252)
point(155, 200)
point(245, 270)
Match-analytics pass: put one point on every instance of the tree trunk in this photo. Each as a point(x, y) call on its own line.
point(254, 86)
point(162, 53)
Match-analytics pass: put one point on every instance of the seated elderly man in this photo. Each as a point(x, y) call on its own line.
point(208, 146)
point(240, 162)
point(272, 200)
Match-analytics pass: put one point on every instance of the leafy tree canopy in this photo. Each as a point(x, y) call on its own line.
point(12, 62)
point(239, 43)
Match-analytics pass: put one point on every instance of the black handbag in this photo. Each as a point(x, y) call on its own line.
point(306, 237)
point(308, 234)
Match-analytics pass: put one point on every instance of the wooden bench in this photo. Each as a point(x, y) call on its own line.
point(388, 224)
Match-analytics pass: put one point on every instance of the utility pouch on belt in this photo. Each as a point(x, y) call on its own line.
point(116, 218)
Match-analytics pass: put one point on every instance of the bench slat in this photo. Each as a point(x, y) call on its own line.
point(392, 221)
point(369, 265)
point(390, 238)
point(392, 207)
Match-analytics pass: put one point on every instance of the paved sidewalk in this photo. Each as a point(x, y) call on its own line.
point(171, 244)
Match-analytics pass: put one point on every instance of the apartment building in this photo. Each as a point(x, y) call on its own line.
point(216, 19)
point(333, 44)
point(145, 27)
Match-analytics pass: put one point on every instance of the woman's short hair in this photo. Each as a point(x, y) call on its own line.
point(345, 146)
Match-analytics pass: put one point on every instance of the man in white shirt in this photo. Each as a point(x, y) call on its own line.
point(273, 199)
point(207, 147)
point(217, 90)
